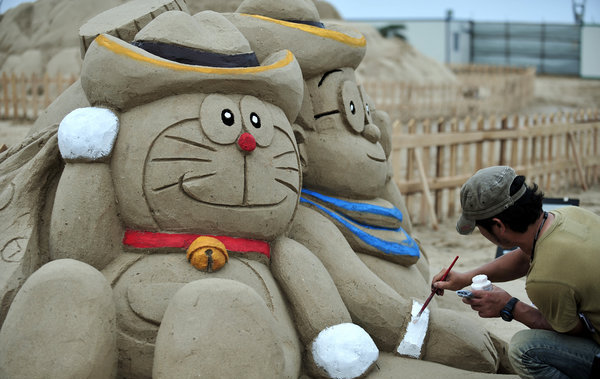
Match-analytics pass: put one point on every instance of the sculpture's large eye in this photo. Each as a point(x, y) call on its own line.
point(352, 106)
point(227, 117)
point(369, 108)
point(258, 120)
point(220, 119)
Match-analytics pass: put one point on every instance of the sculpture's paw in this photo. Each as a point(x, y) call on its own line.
point(344, 351)
point(416, 330)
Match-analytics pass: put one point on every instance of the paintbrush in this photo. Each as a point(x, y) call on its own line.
point(433, 290)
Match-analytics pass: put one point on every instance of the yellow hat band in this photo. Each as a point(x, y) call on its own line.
point(320, 32)
point(127, 51)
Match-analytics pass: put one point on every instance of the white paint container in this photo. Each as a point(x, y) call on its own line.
point(481, 282)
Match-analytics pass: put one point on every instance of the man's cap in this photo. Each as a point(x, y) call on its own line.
point(486, 194)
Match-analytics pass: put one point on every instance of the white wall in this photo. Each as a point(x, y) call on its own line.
point(590, 52)
point(460, 32)
point(436, 39)
point(428, 37)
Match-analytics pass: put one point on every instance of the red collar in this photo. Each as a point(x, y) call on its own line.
point(147, 240)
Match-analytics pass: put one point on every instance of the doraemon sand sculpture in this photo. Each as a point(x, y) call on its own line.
point(352, 215)
point(161, 210)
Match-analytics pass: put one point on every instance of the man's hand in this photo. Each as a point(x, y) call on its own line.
point(454, 281)
point(488, 303)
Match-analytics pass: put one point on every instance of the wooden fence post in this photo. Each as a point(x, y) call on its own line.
point(453, 162)
point(439, 170)
point(425, 187)
point(5, 83)
point(577, 161)
point(479, 146)
point(34, 95)
point(503, 159)
point(425, 163)
point(514, 146)
point(46, 86)
point(15, 96)
point(23, 80)
point(492, 158)
point(409, 157)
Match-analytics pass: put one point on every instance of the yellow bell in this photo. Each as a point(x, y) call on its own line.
point(207, 254)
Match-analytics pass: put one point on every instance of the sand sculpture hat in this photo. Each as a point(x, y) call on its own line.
point(295, 25)
point(486, 194)
point(178, 53)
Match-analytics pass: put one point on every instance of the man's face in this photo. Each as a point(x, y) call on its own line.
point(494, 237)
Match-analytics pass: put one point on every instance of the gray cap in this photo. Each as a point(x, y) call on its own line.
point(486, 194)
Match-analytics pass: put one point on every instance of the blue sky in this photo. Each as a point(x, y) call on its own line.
point(550, 11)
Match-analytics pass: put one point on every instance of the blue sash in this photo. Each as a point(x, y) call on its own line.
point(368, 228)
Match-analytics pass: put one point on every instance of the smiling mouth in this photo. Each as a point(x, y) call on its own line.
point(188, 193)
point(376, 159)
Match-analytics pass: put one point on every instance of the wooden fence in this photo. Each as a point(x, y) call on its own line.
point(23, 97)
point(479, 90)
point(432, 159)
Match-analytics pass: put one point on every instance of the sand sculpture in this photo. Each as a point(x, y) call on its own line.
point(351, 211)
point(169, 156)
point(136, 179)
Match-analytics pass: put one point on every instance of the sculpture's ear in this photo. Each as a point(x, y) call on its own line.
point(300, 135)
point(88, 135)
point(85, 223)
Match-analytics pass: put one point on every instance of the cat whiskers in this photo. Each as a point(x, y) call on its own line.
point(288, 185)
point(190, 142)
point(287, 169)
point(181, 180)
point(180, 159)
point(285, 153)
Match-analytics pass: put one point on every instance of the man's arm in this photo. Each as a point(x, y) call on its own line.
point(510, 266)
point(530, 316)
point(489, 304)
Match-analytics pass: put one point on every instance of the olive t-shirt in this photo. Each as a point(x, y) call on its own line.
point(564, 277)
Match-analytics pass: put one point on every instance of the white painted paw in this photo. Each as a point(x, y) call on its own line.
point(344, 351)
point(412, 343)
point(87, 134)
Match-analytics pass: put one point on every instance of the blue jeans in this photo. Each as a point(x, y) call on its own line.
point(536, 353)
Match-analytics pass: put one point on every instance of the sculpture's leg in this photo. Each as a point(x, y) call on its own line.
point(335, 346)
point(61, 325)
point(450, 328)
point(372, 304)
point(218, 328)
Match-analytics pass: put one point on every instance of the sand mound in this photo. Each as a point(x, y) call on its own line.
point(28, 63)
point(393, 59)
point(66, 62)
